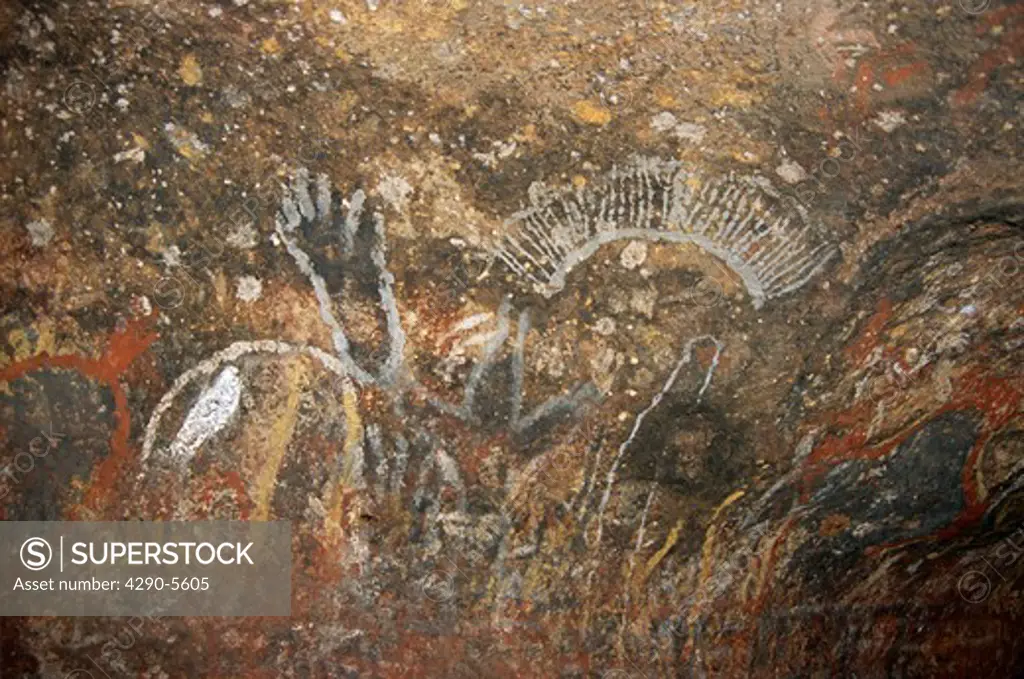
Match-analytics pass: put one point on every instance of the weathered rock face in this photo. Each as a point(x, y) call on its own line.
point(603, 339)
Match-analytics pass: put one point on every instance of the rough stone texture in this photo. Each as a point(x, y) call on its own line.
point(647, 470)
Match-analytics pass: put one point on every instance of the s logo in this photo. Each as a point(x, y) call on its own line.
point(36, 554)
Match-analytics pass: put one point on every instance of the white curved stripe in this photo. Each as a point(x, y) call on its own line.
point(746, 272)
point(228, 355)
point(639, 420)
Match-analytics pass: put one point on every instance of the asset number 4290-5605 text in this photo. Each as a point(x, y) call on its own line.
point(174, 584)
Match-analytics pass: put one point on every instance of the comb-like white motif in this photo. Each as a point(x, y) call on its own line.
point(766, 241)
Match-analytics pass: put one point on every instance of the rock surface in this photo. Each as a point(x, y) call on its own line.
point(575, 339)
